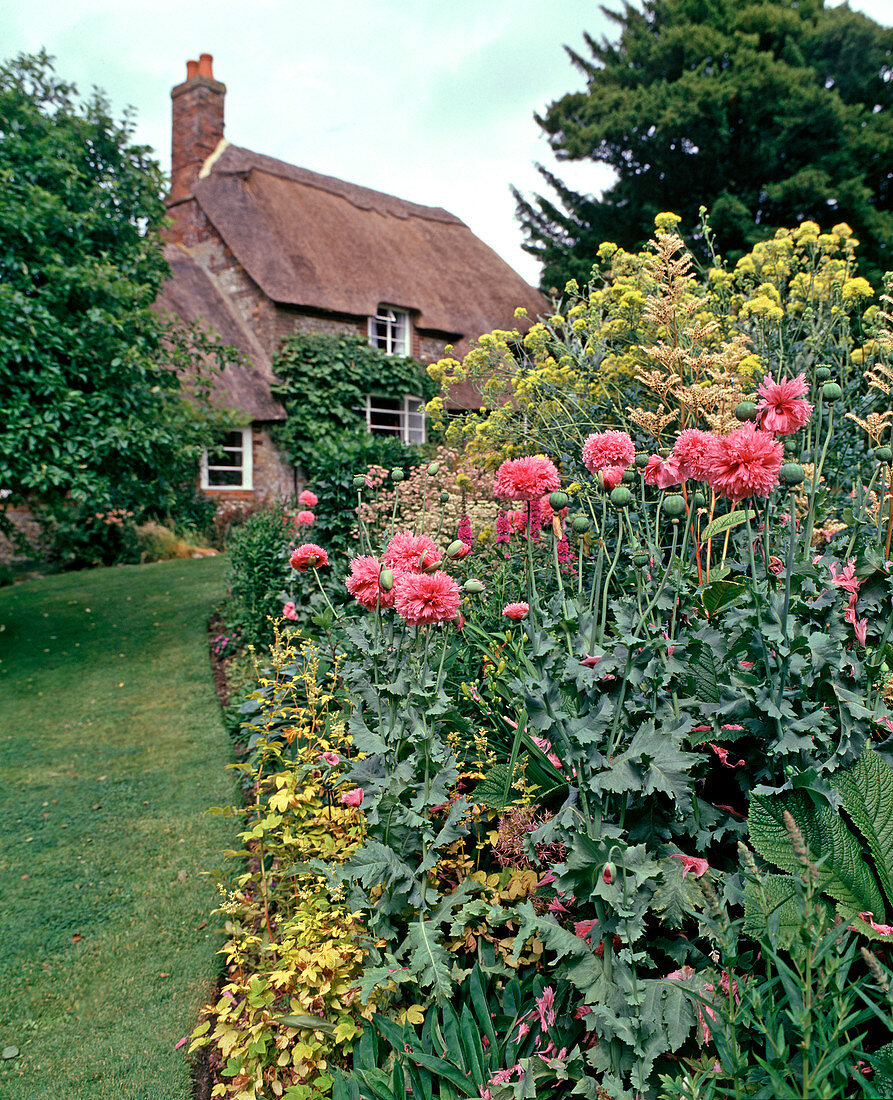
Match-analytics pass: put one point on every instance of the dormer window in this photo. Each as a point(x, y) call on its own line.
point(389, 330)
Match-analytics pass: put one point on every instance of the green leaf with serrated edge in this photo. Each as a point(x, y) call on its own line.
point(773, 906)
point(703, 673)
point(724, 523)
point(719, 594)
point(429, 959)
point(867, 791)
point(829, 843)
point(490, 791)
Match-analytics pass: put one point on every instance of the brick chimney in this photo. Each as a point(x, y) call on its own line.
point(197, 109)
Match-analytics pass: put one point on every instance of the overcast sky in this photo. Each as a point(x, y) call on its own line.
point(428, 100)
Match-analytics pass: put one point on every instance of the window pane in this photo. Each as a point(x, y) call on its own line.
point(225, 458)
point(224, 478)
point(233, 439)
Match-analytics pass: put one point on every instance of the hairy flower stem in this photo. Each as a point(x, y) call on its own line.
point(394, 511)
point(786, 606)
point(607, 584)
point(531, 580)
point(817, 471)
point(361, 526)
point(324, 596)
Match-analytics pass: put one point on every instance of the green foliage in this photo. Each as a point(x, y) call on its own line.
point(849, 839)
point(259, 571)
point(93, 412)
point(789, 1019)
point(324, 380)
point(764, 112)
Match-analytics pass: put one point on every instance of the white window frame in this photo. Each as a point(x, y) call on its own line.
point(247, 465)
point(412, 427)
point(395, 338)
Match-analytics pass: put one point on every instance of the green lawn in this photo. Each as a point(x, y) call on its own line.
point(111, 750)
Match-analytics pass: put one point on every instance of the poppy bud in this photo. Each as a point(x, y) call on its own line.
point(792, 473)
point(456, 549)
point(558, 500)
point(608, 873)
point(745, 410)
point(386, 580)
point(473, 587)
point(433, 468)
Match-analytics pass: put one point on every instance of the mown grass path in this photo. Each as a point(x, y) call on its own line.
point(111, 751)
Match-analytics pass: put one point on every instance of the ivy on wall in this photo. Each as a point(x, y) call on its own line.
point(324, 379)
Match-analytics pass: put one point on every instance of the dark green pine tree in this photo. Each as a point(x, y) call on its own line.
point(766, 112)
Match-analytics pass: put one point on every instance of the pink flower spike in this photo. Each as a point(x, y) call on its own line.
point(289, 612)
point(308, 499)
point(881, 929)
point(697, 866)
point(354, 797)
point(860, 626)
point(516, 610)
point(782, 407)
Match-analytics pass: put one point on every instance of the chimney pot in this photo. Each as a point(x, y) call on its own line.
point(191, 69)
point(205, 65)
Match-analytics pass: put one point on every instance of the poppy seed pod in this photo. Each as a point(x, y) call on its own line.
point(397, 473)
point(640, 559)
point(745, 410)
point(444, 497)
point(621, 497)
point(792, 473)
point(883, 454)
point(558, 500)
point(359, 482)
point(386, 580)
point(473, 587)
point(831, 392)
point(629, 476)
point(698, 500)
point(823, 373)
point(674, 506)
point(642, 460)
point(580, 524)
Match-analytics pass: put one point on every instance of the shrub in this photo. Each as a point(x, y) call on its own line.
point(259, 570)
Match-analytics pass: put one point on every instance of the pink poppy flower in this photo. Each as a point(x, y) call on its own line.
point(289, 612)
point(516, 610)
point(526, 478)
point(305, 519)
point(422, 598)
point(583, 929)
point(354, 797)
point(860, 627)
point(308, 499)
point(663, 472)
point(308, 556)
point(363, 584)
point(723, 755)
point(781, 406)
point(410, 553)
point(847, 579)
point(697, 866)
point(691, 450)
point(603, 449)
point(881, 929)
point(331, 758)
point(612, 476)
point(744, 463)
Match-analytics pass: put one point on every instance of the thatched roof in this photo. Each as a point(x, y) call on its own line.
point(192, 294)
point(318, 242)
